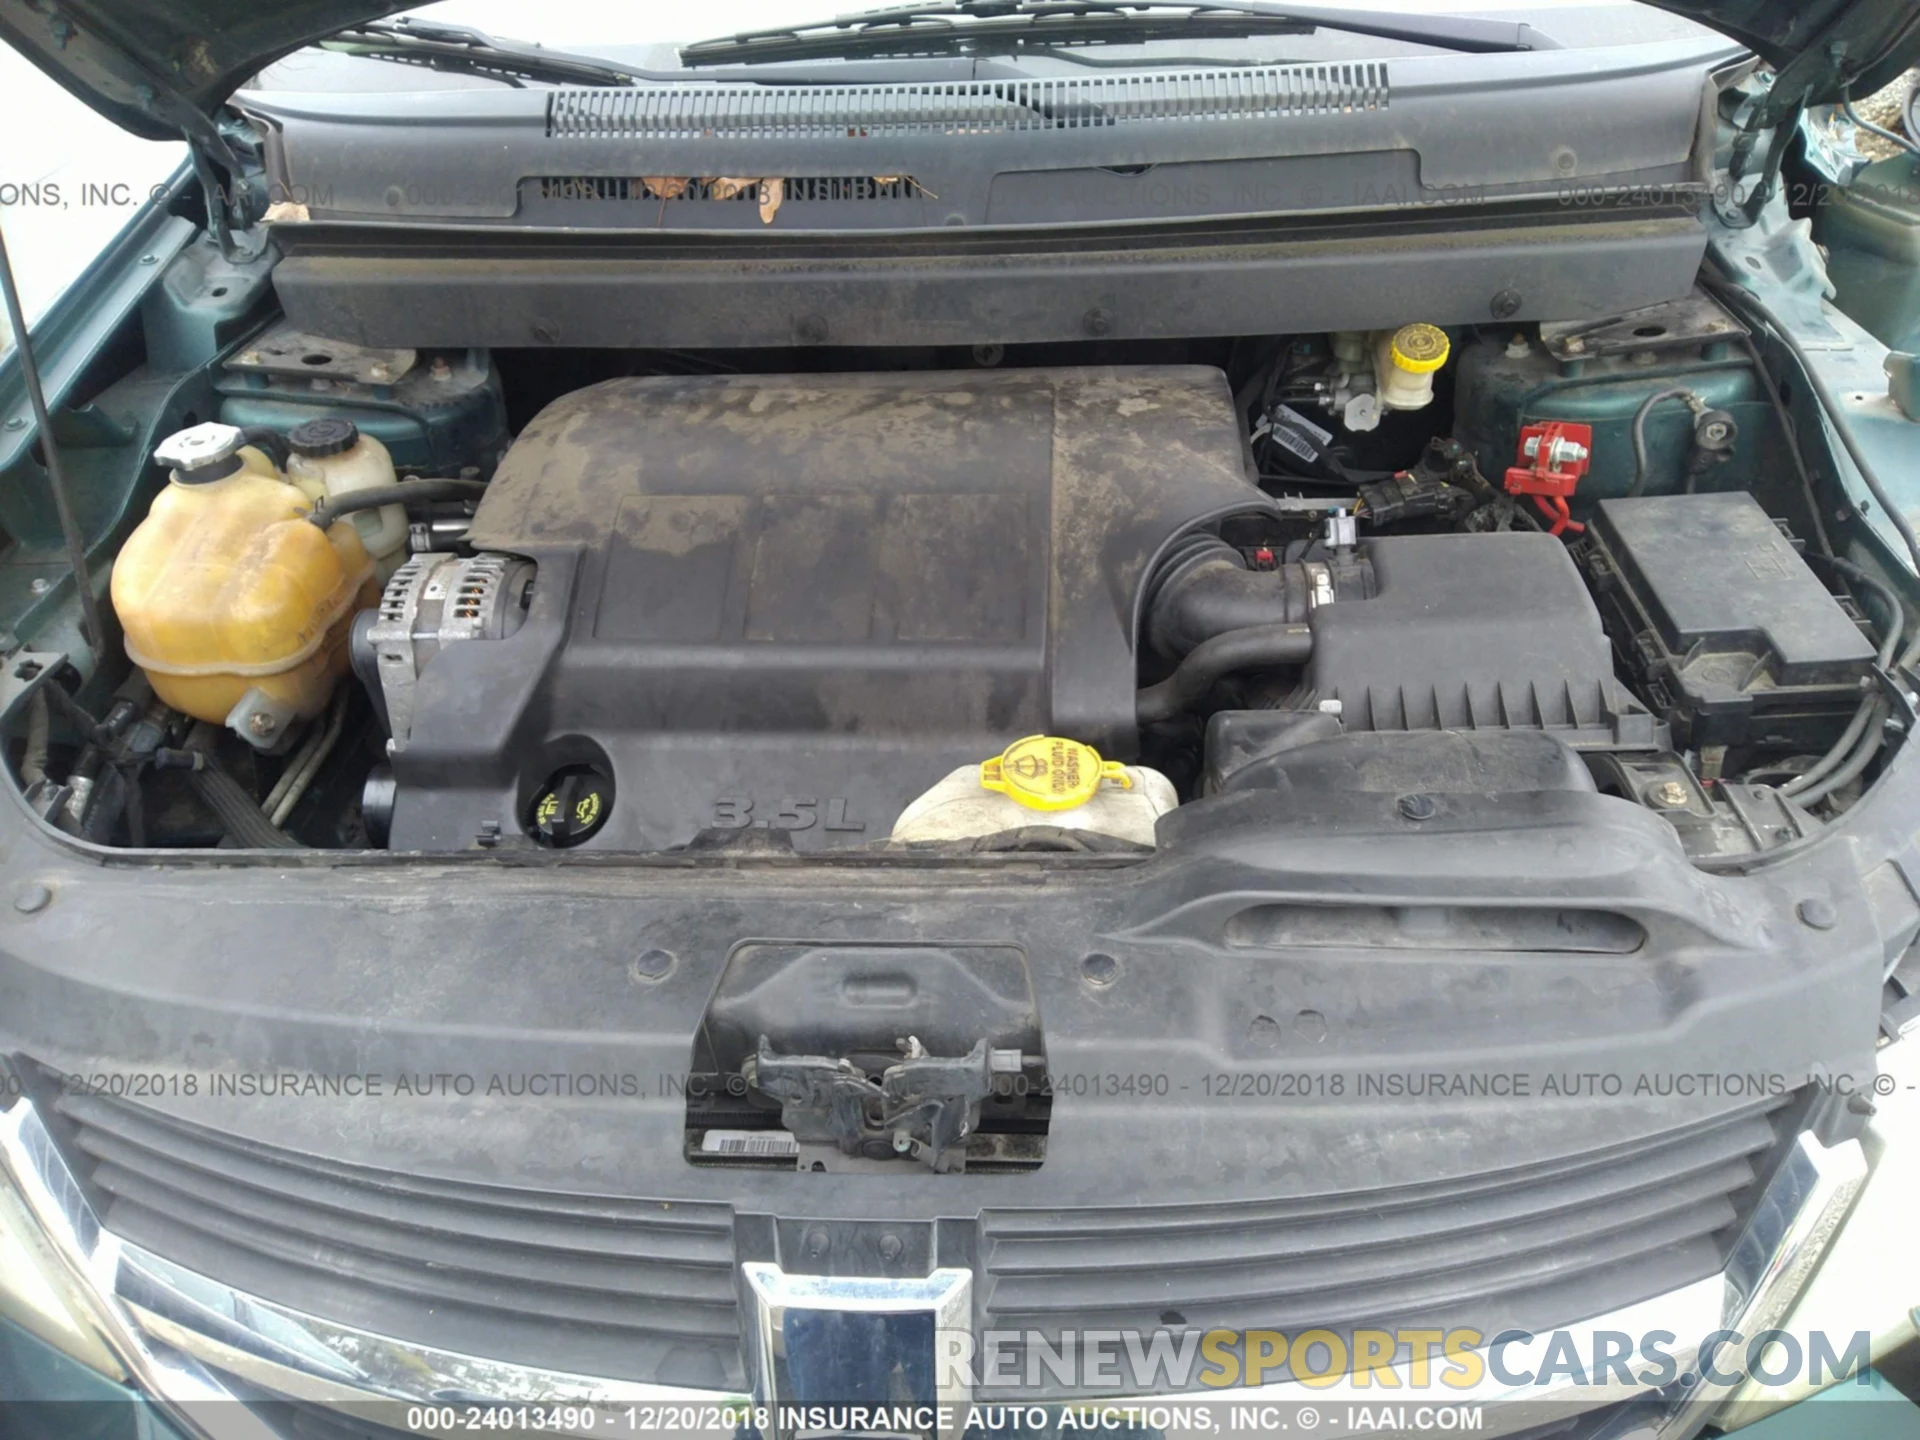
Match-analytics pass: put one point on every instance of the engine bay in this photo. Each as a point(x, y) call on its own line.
point(963, 601)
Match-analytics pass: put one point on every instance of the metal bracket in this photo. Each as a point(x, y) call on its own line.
point(1693, 320)
point(287, 351)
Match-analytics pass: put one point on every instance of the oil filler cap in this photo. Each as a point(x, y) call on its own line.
point(1045, 772)
point(1420, 349)
point(571, 807)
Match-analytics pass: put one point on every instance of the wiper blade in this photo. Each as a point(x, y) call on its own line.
point(1010, 25)
point(467, 50)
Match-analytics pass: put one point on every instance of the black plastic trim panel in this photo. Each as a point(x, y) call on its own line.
point(384, 285)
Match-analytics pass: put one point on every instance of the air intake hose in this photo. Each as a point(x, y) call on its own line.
point(1252, 647)
point(1204, 588)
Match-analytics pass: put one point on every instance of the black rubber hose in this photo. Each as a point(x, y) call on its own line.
point(75, 712)
point(407, 492)
point(1263, 646)
point(1209, 591)
point(1745, 299)
point(1892, 137)
point(1870, 741)
point(1815, 781)
point(1842, 748)
point(270, 441)
point(1639, 486)
point(1895, 625)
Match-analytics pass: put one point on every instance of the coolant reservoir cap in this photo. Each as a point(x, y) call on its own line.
point(327, 435)
point(1420, 349)
point(1045, 772)
point(199, 447)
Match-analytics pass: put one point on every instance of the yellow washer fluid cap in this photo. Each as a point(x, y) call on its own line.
point(1420, 349)
point(1045, 772)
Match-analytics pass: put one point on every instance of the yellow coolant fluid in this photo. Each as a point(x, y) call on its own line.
point(235, 605)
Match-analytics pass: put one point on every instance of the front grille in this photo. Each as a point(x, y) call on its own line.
point(628, 1289)
point(644, 1290)
point(1531, 1248)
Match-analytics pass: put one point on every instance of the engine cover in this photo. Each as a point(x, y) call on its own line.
point(795, 602)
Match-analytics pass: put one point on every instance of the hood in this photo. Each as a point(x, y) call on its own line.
point(1819, 49)
point(161, 68)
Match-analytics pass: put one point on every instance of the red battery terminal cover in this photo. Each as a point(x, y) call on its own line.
point(1553, 456)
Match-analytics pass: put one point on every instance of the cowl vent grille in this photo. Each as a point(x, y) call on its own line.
point(975, 107)
point(748, 190)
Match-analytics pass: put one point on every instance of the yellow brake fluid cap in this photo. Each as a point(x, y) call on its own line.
point(1045, 772)
point(1420, 349)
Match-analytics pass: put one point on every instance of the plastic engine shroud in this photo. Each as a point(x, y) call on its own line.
point(792, 603)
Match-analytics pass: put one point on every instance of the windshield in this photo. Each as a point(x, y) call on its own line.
point(649, 39)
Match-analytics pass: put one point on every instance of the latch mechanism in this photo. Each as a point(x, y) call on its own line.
point(923, 1106)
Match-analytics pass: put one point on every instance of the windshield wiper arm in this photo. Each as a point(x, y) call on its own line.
point(952, 24)
point(463, 48)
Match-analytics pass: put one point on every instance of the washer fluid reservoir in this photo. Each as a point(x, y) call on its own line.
point(1042, 780)
point(234, 604)
point(333, 457)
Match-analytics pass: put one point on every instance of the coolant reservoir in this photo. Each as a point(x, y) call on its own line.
point(332, 458)
point(1041, 780)
point(235, 605)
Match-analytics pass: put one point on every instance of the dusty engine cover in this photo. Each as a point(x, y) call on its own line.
point(794, 602)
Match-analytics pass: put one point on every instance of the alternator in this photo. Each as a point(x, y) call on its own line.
point(431, 602)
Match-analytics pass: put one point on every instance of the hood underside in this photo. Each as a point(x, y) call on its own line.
point(161, 68)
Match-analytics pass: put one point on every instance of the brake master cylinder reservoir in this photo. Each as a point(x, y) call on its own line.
point(1041, 780)
point(234, 604)
point(332, 458)
point(1404, 362)
point(1385, 370)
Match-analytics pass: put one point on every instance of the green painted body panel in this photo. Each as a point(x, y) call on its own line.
point(1495, 395)
point(1872, 234)
point(44, 1395)
point(430, 429)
